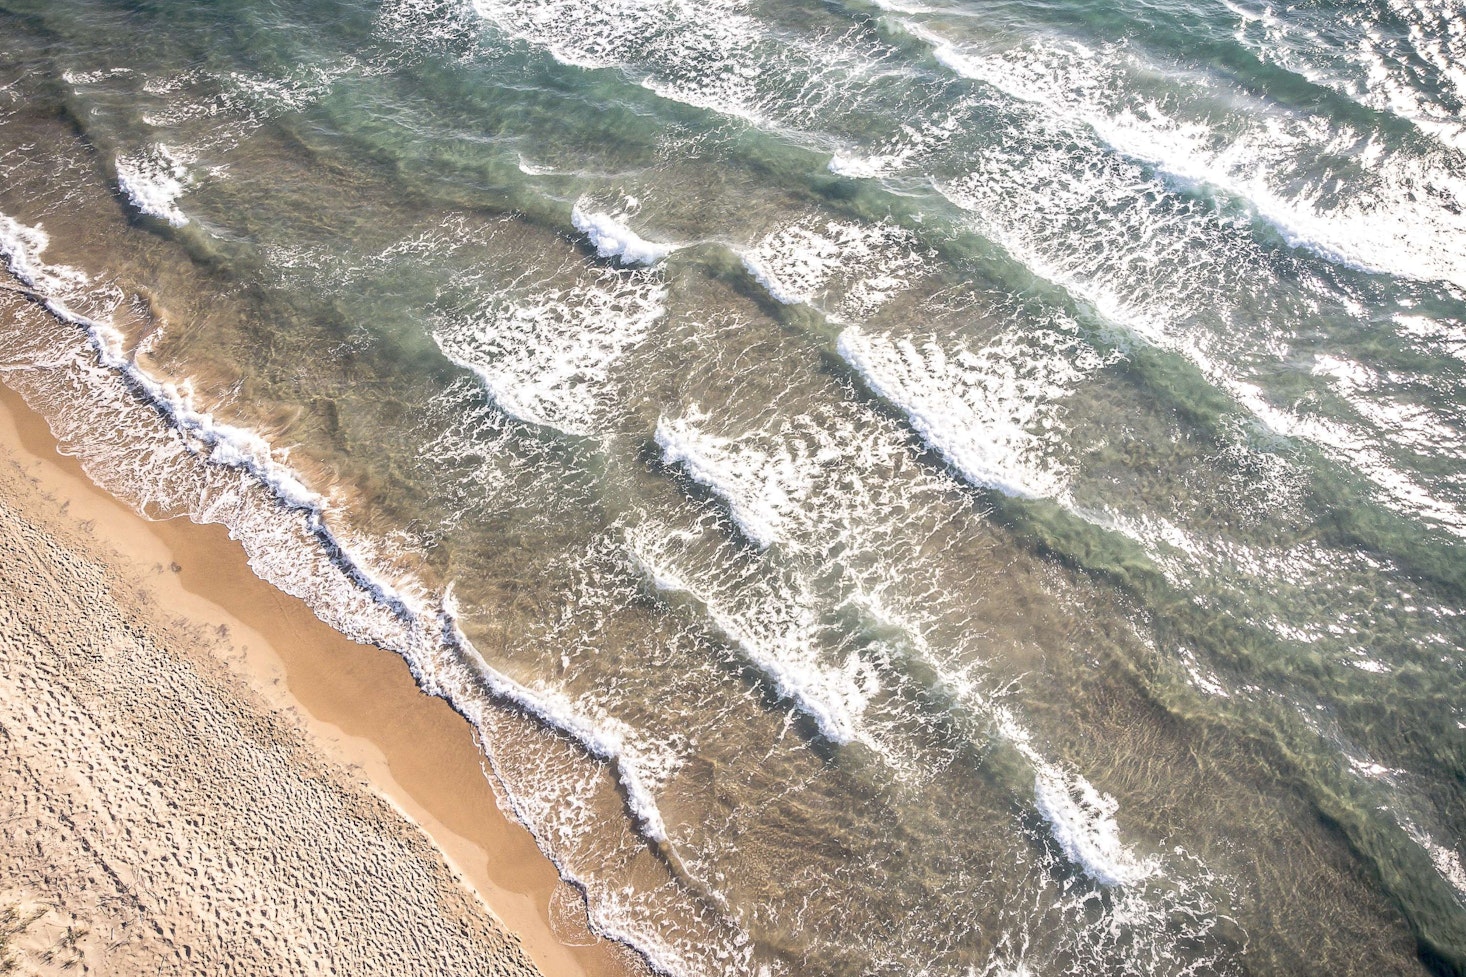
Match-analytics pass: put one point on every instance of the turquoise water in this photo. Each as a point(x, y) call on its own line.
point(899, 488)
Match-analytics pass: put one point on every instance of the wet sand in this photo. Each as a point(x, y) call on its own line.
point(353, 718)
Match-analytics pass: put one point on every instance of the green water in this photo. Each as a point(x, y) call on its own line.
point(949, 489)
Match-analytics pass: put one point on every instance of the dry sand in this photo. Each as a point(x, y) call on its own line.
point(198, 777)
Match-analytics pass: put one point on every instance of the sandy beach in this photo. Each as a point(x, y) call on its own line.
point(197, 776)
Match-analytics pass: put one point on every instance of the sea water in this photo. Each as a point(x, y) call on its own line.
point(899, 488)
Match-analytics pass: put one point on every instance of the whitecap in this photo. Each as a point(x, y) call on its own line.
point(845, 269)
point(1081, 818)
point(1401, 216)
point(990, 413)
point(778, 635)
point(611, 238)
point(546, 357)
point(153, 180)
point(761, 490)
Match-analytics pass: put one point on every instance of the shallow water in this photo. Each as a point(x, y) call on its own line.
point(900, 488)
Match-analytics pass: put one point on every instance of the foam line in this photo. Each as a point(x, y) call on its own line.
point(980, 439)
point(1081, 818)
point(547, 357)
point(781, 649)
point(613, 239)
point(611, 740)
point(847, 270)
point(1387, 225)
point(153, 180)
point(758, 490)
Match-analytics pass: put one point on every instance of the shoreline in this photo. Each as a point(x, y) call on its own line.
point(358, 705)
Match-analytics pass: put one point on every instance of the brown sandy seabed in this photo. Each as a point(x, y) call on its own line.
point(199, 777)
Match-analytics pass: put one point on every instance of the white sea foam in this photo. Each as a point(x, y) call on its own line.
point(990, 413)
point(269, 95)
point(222, 444)
point(92, 77)
point(1081, 818)
point(693, 51)
point(546, 357)
point(446, 24)
point(795, 264)
point(712, 54)
point(771, 282)
point(154, 179)
point(638, 767)
point(1416, 74)
point(714, 57)
point(22, 245)
point(761, 490)
point(1447, 861)
point(855, 166)
point(847, 270)
point(833, 697)
point(1403, 215)
point(1083, 823)
point(1356, 450)
point(613, 239)
point(778, 635)
point(831, 487)
point(827, 615)
point(905, 148)
point(1159, 300)
point(207, 113)
point(534, 169)
point(1053, 233)
point(236, 447)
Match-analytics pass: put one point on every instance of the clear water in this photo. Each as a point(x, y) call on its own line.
point(900, 488)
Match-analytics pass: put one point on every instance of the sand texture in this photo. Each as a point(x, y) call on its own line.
point(158, 816)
